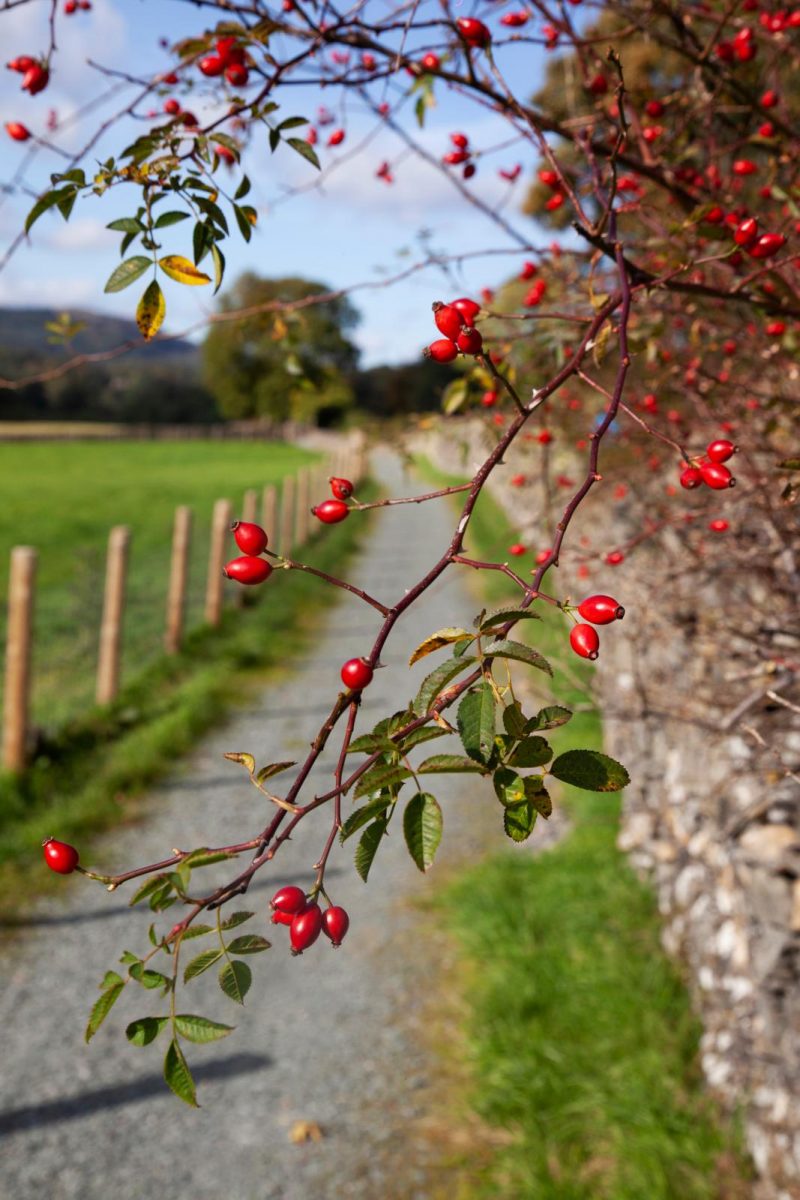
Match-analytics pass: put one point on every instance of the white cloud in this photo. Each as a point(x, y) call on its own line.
point(44, 293)
point(79, 236)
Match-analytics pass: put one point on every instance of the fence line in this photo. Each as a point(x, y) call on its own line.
point(285, 514)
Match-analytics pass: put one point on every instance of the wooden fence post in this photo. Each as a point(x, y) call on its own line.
point(287, 516)
point(16, 692)
point(269, 506)
point(220, 528)
point(178, 575)
point(301, 513)
point(113, 610)
point(249, 513)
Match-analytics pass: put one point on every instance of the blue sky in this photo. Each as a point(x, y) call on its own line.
point(344, 228)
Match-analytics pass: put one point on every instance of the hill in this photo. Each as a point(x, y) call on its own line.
point(24, 331)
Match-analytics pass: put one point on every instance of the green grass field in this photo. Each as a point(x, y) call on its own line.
point(580, 1039)
point(63, 497)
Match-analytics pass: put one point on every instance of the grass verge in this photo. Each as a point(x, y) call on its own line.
point(87, 777)
point(578, 1030)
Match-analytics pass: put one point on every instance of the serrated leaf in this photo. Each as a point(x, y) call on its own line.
point(178, 1076)
point(439, 764)
point(195, 931)
point(145, 1030)
point(532, 752)
point(422, 826)
point(111, 979)
point(235, 919)
point(501, 616)
point(205, 858)
point(368, 846)
point(147, 889)
point(519, 653)
point(127, 225)
point(384, 775)
point(150, 311)
point(248, 943)
point(591, 770)
point(182, 270)
point(368, 743)
point(245, 760)
point(170, 218)
point(426, 733)
point(101, 1008)
point(305, 150)
point(519, 821)
point(509, 786)
point(200, 1029)
point(539, 797)
point(476, 722)
point(127, 272)
point(514, 720)
point(362, 816)
point(433, 683)
point(549, 718)
point(201, 963)
point(442, 637)
point(235, 979)
point(273, 769)
point(149, 979)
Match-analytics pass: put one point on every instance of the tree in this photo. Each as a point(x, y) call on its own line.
point(290, 362)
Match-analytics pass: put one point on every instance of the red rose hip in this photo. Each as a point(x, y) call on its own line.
point(250, 538)
point(356, 674)
point(716, 476)
point(720, 450)
point(449, 320)
point(442, 350)
point(60, 856)
point(305, 928)
point(247, 569)
point(601, 610)
point(585, 641)
point(289, 899)
point(330, 512)
point(341, 488)
point(335, 924)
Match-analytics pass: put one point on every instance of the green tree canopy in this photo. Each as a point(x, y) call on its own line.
point(285, 363)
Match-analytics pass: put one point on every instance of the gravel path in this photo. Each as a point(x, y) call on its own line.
point(323, 1038)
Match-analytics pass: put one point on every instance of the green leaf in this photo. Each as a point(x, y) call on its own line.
point(101, 1008)
point(178, 1076)
point(384, 775)
point(293, 123)
point(519, 821)
point(368, 743)
point(200, 1029)
point(48, 200)
point(518, 652)
point(476, 722)
point(235, 979)
point(248, 943)
point(435, 641)
point(447, 764)
point(549, 718)
point(532, 752)
point(305, 150)
point(368, 846)
point(202, 240)
point(273, 769)
point(195, 931)
point(274, 140)
point(454, 395)
point(514, 720)
point(245, 227)
point(213, 211)
point(422, 826)
point(243, 189)
point(501, 616)
point(149, 979)
point(426, 733)
point(433, 683)
point(147, 889)
point(127, 225)
point(789, 464)
point(145, 1030)
point(205, 858)
point(65, 201)
point(591, 770)
point(111, 979)
point(362, 816)
point(169, 218)
point(237, 918)
point(127, 272)
point(218, 259)
point(538, 796)
point(509, 786)
point(245, 760)
point(201, 963)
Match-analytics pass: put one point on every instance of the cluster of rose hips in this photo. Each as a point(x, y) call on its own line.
point(550, 179)
point(35, 73)
point(248, 568)
point(331, 512)
point(461, 154)
point(710, 469)
point(764, 245)
point(600, 610)
point(228, 60)
point(456, 321)
point(290, 906)
point(71, 6)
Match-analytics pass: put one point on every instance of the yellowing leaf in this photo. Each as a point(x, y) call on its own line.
point(182, 271)
point(150, 311)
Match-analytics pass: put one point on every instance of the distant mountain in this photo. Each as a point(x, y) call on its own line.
point(23, 331)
